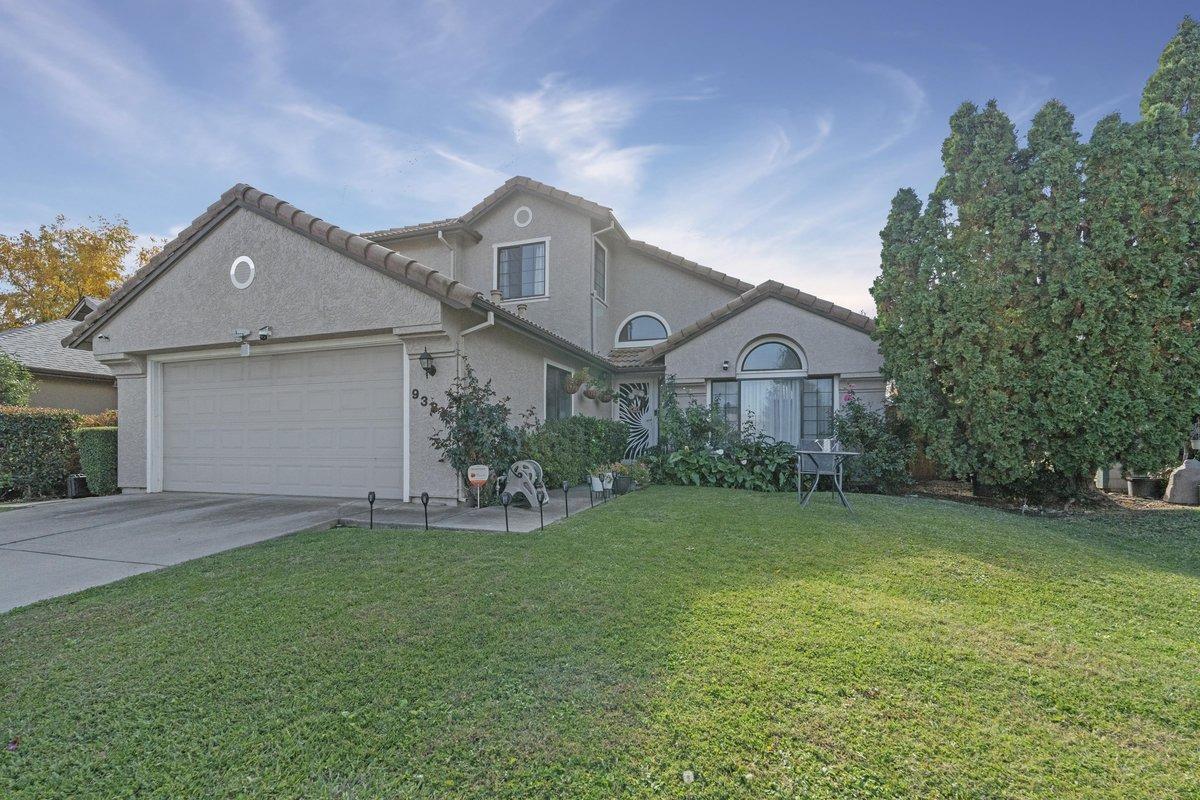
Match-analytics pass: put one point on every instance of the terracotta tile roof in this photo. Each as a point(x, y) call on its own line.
point(40, 348)
point(371, 254)
point(627, 356)
point(767, 289)
point(546, 190)
point(423, 229)
point(520, 182)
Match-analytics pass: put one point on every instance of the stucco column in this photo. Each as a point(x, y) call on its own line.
point(130, 372)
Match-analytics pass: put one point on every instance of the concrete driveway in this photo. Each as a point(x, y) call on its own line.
point(50, 549)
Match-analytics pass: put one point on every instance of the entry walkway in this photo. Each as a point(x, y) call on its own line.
point(390, 514)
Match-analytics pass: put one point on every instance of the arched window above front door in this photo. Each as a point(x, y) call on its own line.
point(772, 357)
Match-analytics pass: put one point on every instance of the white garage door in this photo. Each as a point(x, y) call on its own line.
point(325, 423)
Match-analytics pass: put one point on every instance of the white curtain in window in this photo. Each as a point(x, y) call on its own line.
point(774, 406)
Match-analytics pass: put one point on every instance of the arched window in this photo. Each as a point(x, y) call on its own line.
point(642, 329)
point(771, 357)
point(774, 392)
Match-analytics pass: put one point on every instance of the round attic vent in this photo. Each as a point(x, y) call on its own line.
point(241, 273)
point(522, 216)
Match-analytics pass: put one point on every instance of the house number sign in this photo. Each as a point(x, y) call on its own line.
point(425, 402)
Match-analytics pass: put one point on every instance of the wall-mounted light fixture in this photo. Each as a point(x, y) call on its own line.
point(265, 332)
point(427, 363)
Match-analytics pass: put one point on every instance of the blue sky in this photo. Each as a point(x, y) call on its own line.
point(763, 139)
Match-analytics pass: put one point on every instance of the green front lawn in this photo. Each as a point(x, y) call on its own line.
point(915, 648)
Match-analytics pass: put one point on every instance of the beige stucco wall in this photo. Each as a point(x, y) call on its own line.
point(131, 432)
point(635, 281)
point(85, 396)
point(828, 347)
point(638, 283)
point(301, 289)
point(514, 363)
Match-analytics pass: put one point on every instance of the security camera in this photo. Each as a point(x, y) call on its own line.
point(264, 332)
point(240, 334)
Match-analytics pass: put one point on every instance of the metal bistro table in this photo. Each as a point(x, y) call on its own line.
point(818, 463)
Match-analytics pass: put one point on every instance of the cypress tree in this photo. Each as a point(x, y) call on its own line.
point(1176, 82)
point(1039, 317)
point(1054, 303)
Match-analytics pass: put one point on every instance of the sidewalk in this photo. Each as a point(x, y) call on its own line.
point(391, 514)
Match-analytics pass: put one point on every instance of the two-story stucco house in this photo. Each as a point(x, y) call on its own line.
point(267, 351)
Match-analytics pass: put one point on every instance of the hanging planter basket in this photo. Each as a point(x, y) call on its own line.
point(591, 393)
point(606, 395)
point(575, 381)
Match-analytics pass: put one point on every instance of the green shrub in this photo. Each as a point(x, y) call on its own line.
point(887, 449)
point(16, 384)
point(748, 460)
point(98, 458)
point(475, 430)
point(37, 451)
point(568, 449)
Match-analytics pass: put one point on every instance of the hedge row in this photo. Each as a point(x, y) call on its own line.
point(37, 450)
point(568, 449)
point(98, 458)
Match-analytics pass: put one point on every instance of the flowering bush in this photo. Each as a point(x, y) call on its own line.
point(885, 445)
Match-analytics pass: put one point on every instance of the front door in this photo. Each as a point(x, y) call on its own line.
point(637, 407)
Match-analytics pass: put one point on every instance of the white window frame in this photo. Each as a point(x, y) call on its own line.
point(154, 392)
point(496, 269)
point(603, 298)
point(642, 342)
point(548, 363)
point(743, 374)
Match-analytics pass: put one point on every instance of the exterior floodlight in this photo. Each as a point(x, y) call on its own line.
point(427, 363)
point(265, 332)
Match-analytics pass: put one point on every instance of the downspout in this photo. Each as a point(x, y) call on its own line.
point(487, 323)
point(592, 294)
point(442, 238)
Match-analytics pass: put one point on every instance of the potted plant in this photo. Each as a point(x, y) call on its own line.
point(625, 475)
point(575, 380)
point(592, 391)
point(605, 392)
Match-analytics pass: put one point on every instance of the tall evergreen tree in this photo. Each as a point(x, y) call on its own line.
point(1176, 82)
point(1039, 317)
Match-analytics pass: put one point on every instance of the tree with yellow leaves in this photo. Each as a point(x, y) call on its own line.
point(43, 273)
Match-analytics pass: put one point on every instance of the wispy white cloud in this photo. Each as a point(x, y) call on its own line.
point(914, 103)
point(91, 74)
point(577, 129)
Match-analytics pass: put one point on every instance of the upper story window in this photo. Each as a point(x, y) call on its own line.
point(521, 269)
point(599, 268)
point(771, 357)
point(642, 329)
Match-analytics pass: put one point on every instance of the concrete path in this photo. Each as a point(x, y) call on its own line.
point(51, 549)
point(490, 519)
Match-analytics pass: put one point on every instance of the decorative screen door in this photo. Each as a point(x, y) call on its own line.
point(637, 407)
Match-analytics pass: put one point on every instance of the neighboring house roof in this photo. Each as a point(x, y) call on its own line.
point(364, 251)
point(40, 349)
point(765, 290)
